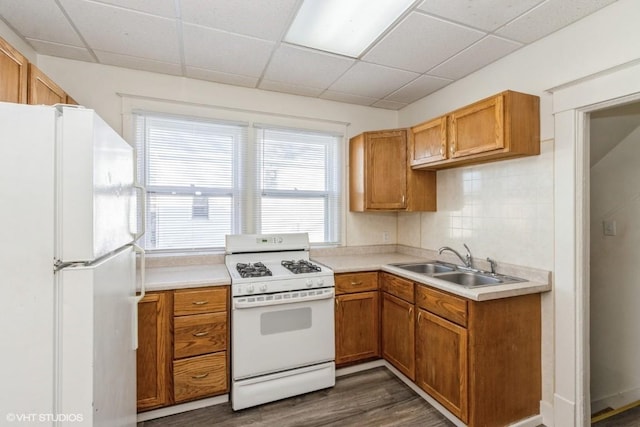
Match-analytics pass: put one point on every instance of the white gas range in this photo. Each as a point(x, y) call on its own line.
point(282, 318)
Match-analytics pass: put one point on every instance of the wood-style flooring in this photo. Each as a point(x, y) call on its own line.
point(369, 398)
point(630, 418)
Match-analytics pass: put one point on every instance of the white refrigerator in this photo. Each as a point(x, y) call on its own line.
point(68, 329)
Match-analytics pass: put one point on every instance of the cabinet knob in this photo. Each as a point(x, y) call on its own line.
point(442, 150)
point(199, 377)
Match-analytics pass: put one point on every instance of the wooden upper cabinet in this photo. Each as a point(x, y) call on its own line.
point(503, 126)
point(70, 101)
point(13, 74)
point(428, 141)
point(380, 177)
point(43, 90)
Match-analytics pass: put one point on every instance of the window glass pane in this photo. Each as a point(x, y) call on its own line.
point(184, 222)
point(295, 215)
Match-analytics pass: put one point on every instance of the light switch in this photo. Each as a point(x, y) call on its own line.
point(609, 227)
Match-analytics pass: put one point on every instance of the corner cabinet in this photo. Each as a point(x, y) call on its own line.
point(380, 177)
point(398, 323)
point(357, 317)
point(506, 125)
point(13, 74)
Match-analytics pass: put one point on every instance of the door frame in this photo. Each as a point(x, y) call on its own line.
point(572, 104)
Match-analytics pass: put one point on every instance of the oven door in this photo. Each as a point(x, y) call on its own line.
point(277, 332)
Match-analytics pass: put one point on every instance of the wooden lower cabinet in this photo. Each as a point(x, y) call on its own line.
point(357, 320)
point(398, 331)
point(183, 340)
point(441, 359)
point(154, 351)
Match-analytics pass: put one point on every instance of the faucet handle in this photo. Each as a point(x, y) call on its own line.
point(493, 264)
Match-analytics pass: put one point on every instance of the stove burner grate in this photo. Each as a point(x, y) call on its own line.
point(300, 266)
point(257, 269)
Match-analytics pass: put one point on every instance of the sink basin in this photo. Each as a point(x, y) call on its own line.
point(425, 267)
point(469, 279)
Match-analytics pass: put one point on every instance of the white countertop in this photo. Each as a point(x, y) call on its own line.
point(215, 274)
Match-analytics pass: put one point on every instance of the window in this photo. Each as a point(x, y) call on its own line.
point(206, 179)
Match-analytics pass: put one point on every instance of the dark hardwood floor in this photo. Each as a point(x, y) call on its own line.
point(369, 398)
point(630, 418)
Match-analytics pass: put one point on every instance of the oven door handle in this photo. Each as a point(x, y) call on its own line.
point(244, 305)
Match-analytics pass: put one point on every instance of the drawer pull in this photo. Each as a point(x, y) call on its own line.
point(357, 283)
point(199, 302)
point(200, 334)
point(200, 376)
point(410, 311)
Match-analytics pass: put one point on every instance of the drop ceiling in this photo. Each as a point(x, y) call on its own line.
point(240, 42)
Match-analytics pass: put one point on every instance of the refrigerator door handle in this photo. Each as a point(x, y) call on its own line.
point(138, 298)
point(143, 211)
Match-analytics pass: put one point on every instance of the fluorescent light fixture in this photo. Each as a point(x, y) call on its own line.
point(345, 27)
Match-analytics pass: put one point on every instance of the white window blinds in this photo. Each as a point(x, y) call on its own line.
point(206, 179)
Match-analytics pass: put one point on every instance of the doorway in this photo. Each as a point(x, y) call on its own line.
point(614, 247)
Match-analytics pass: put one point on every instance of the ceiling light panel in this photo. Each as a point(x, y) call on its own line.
point(343, 27)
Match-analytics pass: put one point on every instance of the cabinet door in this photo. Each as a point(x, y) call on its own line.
point(13, 74)
point(428, 142)
point(357, 320)
point(153, 353)
point(43, 90)
point(386, 169)
point(477, 128)
point(398, 341)
point(441, 362)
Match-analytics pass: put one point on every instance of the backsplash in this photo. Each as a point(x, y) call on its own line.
point(502, 210)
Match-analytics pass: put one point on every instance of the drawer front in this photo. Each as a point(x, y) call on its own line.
point(198, 301)
point(397, 286)
point(356, 282)
point(444, 305)
point(200, 376)
point(199, 334)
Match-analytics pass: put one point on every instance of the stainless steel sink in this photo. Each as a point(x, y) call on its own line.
point(425, 267)
point(460, 275)
point(469, 279)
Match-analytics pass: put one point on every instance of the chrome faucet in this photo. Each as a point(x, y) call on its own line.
point(467, 260)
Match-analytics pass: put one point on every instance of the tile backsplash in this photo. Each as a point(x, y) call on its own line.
point(502, 210)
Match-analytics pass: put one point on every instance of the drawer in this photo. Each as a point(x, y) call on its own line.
point(200, 376)
point(356, 282)
point(199, 334)
point(198, 301)
point(397, 286)
point(445, 305)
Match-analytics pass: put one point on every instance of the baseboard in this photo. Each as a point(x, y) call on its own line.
point(183, 407)
point(615, 401)
point(534, 421)
point(546, 410)
point(360, 367)
point(564, 411)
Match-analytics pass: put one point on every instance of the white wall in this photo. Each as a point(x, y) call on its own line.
point(99, 86)
point(615, 342)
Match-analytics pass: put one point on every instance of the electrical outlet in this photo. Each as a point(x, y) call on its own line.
point(385, 237)
point(609, 227)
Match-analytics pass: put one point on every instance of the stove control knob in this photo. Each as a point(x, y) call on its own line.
point(250, 289)
point(320, 282)
point(309, 283)
point(263, 288)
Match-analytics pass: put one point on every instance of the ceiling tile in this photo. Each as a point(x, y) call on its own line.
point(419, 88)
point(166, 8)
point(136, 63)
point(263, 19)
point(486, 15)
point(420, 42)
point(289, 88)
point(549, 17)
point(370, 80)
point(482, 53)
point(389, 105)
point(306, 67)
point(61, 50)
point(225, 52)
point(218, 77)
point(122, 31)
point(40, 20)
point(348, 98)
